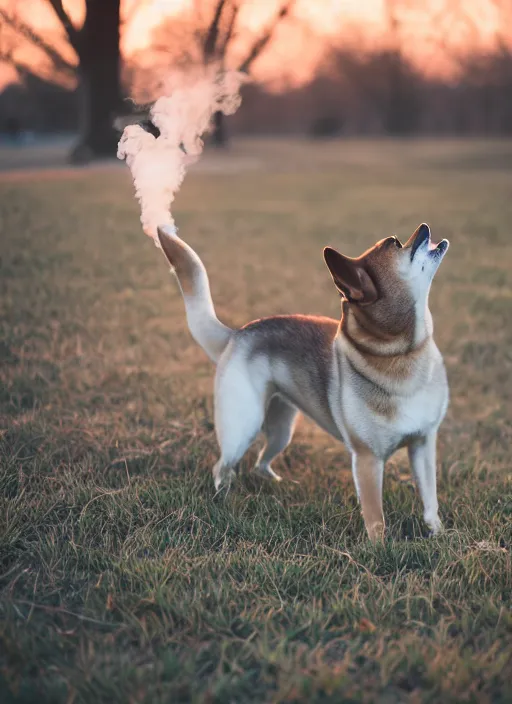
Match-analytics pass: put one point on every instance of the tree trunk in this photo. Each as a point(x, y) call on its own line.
point(402, 109)
point(99, 80)
point(219, 136)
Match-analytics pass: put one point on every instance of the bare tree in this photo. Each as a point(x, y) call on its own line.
point(96, 69)
point(214, 34)
point(16, 32)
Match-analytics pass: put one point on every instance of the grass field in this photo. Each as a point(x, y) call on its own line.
point(123, 579)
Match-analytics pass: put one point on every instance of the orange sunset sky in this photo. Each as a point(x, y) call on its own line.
point(298, 45)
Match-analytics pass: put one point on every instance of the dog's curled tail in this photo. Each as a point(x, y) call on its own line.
point(206, 329)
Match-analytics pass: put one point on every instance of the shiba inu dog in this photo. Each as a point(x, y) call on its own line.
point(374, 379)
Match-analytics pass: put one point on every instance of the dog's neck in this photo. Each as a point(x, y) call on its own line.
point(381, 341)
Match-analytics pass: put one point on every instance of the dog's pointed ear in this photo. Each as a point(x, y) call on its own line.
point(350, 277)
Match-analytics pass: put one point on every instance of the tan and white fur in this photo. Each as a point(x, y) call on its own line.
point(374, 379)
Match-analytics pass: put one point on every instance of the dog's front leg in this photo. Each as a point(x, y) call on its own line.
point(422, 456)
point(368, 471)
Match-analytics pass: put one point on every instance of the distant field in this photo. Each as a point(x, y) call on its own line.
point(122, 578)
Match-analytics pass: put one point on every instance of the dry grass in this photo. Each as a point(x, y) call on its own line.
point(122, 578)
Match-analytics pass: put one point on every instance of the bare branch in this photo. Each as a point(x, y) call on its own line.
point(28, 33)
point(8, 58)
point(262, 41)
point(212, 35)
point(23, 70)
point(228, 35)
point(72, 32)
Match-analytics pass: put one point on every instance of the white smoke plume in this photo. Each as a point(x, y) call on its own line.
point(158, 164)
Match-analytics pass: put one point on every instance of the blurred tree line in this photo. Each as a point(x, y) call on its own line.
point(355, 90)
point(382, 93)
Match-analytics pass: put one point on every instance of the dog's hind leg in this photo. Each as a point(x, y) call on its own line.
point(278, 428)
point(239, 413)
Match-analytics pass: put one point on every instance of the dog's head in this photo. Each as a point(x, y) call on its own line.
point(390, 282)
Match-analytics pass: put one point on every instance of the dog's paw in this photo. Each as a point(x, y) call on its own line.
point(222, 477)
point(376, 532)
point(435, 524)
point(266, 471)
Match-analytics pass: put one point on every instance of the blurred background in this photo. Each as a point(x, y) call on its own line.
point(321, 69)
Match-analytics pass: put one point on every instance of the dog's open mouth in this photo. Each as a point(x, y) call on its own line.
point(423, 241)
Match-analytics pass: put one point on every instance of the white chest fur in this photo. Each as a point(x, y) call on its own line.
point(417, 413)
